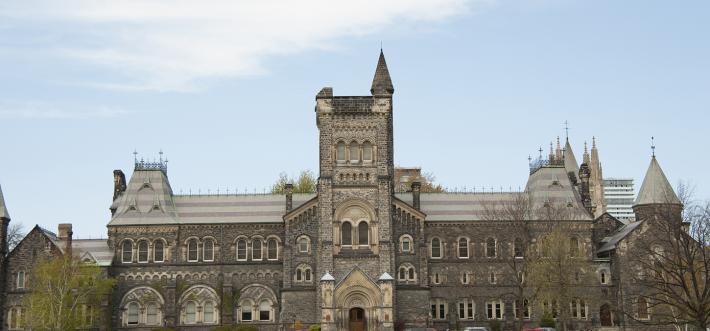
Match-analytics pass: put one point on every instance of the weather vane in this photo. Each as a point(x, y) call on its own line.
point(566, 129)
point(653, 147)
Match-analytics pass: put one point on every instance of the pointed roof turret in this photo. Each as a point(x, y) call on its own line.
point(655, 188)
point(585, 156)
point(382, 83)
point(3, 209)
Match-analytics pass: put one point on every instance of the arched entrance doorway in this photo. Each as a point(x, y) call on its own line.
point(357, 319)
point(605, 315)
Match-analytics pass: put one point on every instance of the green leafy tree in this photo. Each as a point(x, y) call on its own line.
point(66, 294)
point(305, 183)
point(427, 181)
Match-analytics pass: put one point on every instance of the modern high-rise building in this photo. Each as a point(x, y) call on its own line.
point(619, 196)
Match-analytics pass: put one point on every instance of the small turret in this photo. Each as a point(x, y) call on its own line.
point(382, 83)
point(656, 196)
point(4, 224)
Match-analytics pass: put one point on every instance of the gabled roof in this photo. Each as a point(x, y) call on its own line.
point(382, 83)
point(571, 164)
point(613, 240)
point(3, 210)
point(655, 188)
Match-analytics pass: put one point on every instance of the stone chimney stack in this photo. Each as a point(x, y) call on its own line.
point(416, 190)
point(65, 233)
point(289, 196)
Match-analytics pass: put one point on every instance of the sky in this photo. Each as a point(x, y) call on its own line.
point(226, 89)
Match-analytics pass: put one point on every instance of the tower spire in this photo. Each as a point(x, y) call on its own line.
point(3, 208)
point(382, 83)
point(655, 188)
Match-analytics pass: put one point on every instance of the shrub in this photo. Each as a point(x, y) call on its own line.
point(547, 321)
point(495, 325)
point(314, 327)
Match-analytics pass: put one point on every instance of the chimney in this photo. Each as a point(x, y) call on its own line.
point(416, 189)
point(65, 233)
point(5, 222)
point(289, 196)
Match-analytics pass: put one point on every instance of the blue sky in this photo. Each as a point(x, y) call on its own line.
point(227, 90)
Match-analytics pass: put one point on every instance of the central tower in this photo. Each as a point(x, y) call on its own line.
point(355, 190)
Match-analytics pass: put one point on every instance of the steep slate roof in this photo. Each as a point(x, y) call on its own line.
point(97, 249)
point(571, 164)
point(552, 185)
point(613, 240)
point(655, 188)
point(382, 83)
point(155, 204)
point(3, 210)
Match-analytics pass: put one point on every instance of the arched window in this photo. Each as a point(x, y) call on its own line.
point(265, 311)
point(208, 250)
point(127, 252)
point(347, 233)
point(411, 275)
point(299, 275)
point(573, 247)
point(241, 250)
point(208, 313)
point(603, 277)
point(158, 253)
point(463, 248)
point(192, 250)
point(256, 250)
point(151, 314)
point(354, 152)
point(246, 308)
point(340, 152)
point(402, 273)
point(272, 249)
point(303, 244)
point(190, 313)
point(490, 247)
point(642, 306)
point(405, 244)
point(132, 313)
point(363, 234)
point(518, 247)
point(367, 152)
point(304, 273)
point(15, 318)
point(436, 248)
point(21, 280)
point(308, 275)
point(142, 251)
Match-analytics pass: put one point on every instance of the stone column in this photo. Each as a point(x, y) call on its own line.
point(386, 315)
point(327, 289)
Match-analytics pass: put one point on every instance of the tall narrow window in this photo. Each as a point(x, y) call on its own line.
point(208, 250)
point(127, 254)
point(573, 247)
point(256, 250)
point(208, 313)
point(264, 311)
point(354, 152)
point(21, 280)
point(272, 249)
point(158, 254)
point(367, 152)
point(151, 314)
point(299, 275)
point(518, 247)
point(142, 251)
point(406, 245)
point(490, 247)
point(463, 248)
point(402, 273)
point(132, 314)
point(642, 309)
point(191, 313)
point(436, 248)
point(192, 250)
point(241, 250)
point(303, 244)
point(347, 234)
point(602, 276)
point(363, 234)
point(340, 152)
point(246, 311)
point(308, 275)
point(411, 273)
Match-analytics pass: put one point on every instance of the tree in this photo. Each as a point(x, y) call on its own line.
point(427, 180)
point(306, 183)
point(66, 294)
point(673, 263)
point(15, 233)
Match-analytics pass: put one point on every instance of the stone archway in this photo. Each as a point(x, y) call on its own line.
point(605, 317)
point(357, 320)
point(358, 303)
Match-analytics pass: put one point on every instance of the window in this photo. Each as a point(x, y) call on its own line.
point(191, 313)
point(303, 243)
point(347, 233)
point(208, 250)
point(265, 311)
point(15, 318)
point(410, 274)
point(85, 315)
point(151, 314)
point(132, 314)
point(494, 310)
point(573, 247)
point(465, 278)
point(367, 152)
point(550, 307)
point(246, 310)
point(192, 250)
point(522, 308)
point(436, 248)
point(467, 309)
point(241, 250)
point(490, 247)
point(406, 273)
point(642, 309)
point(603, 277)
point(340, 152)
point(463, 248)
point(21, 280)
point(354, 152)
point(304, 274)
point(402, 273)
point(438, 309)
point(437, 278)
point(209, 313)
point(272, 249)
point(142, 251)
point(405, 244)
point(127, 256)
point(578, 309)
point(518, 248)
point(256, 250)
point(492, 277)
point(363, 234)
point(158, 254)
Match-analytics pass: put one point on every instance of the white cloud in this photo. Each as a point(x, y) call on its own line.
point(43, 110)
point(172, 44)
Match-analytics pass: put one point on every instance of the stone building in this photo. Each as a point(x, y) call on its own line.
point(355, 255)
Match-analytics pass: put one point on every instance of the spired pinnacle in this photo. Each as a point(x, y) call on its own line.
point(655, 188)
point(382, 83)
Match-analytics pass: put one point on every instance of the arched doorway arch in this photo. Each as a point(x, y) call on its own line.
point(357, 320)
